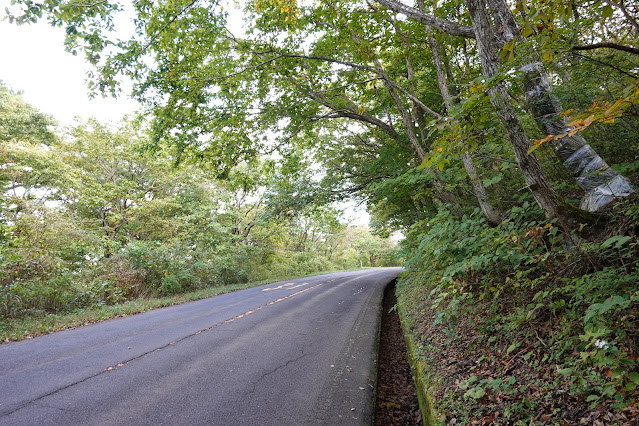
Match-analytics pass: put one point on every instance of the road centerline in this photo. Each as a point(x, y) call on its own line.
point(124, 363)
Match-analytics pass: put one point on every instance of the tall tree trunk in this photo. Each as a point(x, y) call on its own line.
point(409, 126)
point(535, 178)
point(491, 212)
point(600, 183)
point(417, 111)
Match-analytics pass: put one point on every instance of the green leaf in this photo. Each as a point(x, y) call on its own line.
point(490, 181)
point(618, 239)
point(475, 393)
point(619, 372)
point(607, 11)
point(629, 387)
point(527, 30)
point(513, 347)
point(620, 405)
point(634, 377)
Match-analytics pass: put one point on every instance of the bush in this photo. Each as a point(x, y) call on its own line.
point(517, 288)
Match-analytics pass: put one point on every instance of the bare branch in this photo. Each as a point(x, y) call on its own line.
point(242, 71)
point(609, 45)
point(447, 27)
point(327, 59)
point(606, 64)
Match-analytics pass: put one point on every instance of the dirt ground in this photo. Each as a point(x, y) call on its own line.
point(397, 402)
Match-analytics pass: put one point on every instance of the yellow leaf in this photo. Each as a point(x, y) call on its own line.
point(565, 113)
point(540, 142)
point(589, 120)
point(615, 106)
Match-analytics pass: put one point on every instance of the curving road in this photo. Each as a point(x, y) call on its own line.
point(290, 353)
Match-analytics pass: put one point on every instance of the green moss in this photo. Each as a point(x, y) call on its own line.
point(422, 382)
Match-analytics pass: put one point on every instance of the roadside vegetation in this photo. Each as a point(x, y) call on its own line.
point(90, 221)
point(511, 327)
point(500, 137)
point(39, 323)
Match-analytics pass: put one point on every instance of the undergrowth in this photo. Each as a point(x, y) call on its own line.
point(519, 326)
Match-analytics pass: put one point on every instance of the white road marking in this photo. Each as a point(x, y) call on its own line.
point(286, 286)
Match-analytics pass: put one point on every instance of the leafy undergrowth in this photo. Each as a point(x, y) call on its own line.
point(13, 329)
point(515, 329)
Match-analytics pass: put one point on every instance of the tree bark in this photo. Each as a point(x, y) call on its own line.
point(448, 27)
point(491, 212)
point(417, 111)
point(600, 183)
point(534, 176)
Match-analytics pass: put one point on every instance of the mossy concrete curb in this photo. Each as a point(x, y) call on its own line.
point(420, 376)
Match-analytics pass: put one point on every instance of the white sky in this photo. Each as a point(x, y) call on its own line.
point(33, 60)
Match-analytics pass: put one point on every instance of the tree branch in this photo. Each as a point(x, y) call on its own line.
point(606, 64)
point(447, 27)
point(243, 70)
point(164, 27)
point(627, 15)
point(609, 45)
point(97, 3)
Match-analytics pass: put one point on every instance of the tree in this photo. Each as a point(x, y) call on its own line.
point(21, 128)
point(19, 121)
point(578, 157)
point(213, 89)
point(215, 95)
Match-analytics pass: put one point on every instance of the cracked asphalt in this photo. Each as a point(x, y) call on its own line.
point(290, 353)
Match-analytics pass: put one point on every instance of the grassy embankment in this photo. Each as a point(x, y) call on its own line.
point(515, 328)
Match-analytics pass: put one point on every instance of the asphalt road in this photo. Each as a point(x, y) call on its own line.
point(291, 353)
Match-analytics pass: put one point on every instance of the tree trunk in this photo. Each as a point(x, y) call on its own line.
point(600, 183)
point(535, 178)
point(417, 111)
point(491, 212)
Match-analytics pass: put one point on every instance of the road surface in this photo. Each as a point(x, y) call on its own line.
point(290, 353)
